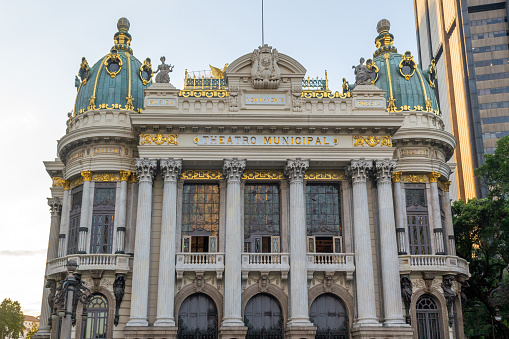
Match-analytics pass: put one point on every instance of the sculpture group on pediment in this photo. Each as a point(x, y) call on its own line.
point(363, 75)
point(164, 69)
point(265, 71)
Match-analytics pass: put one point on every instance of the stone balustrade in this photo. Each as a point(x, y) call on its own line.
point(433, 263)
point(106, 262)
point(328, 262)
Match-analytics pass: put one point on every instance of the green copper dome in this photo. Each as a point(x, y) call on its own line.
point(408, 87)
point(115, 81)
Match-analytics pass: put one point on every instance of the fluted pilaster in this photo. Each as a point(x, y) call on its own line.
point(438, 230)
point(122, 212)
point(86, 205)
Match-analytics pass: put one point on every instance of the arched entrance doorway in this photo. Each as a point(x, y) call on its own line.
point(197, 318)
point(263, 318)
point(428, 318)
point(328, 313)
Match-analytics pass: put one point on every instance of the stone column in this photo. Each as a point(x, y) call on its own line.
point(145, 169)
point(64, 220)
point(393, 313)
point(233, 325)
point(449, 226)
point(85, 212)
point(399, 205)
point(358, 170)
point(435, 208)
point(299, 325)
point(170, 172)
point(55, 205)
point(122, 212)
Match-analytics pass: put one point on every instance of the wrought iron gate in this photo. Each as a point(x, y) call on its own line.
point(263, 318)
point(197, 318)
point(328, 313)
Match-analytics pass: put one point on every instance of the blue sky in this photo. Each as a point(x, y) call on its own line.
point(41, 46)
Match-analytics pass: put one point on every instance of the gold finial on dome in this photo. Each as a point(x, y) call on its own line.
point(123, 25)
point(383, 26)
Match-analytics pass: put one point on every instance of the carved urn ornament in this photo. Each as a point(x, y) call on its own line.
point(265, 71)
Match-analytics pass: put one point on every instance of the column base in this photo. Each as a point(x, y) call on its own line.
point(300, 332)
point(146, 332)
point(137, 322)
point(400, 322)
point(382, 333)
point(43, 335)
point(232, 332)
point(366, 323)
point(164, 323)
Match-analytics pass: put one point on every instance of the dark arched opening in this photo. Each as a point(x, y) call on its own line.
point(197, 318)
point(263, 317)
point(328, 313)
point(428, 318)
point(96, 323)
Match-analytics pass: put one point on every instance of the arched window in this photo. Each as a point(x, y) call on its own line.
point(428, 318)
point(328, 313)
point(197, 318)
point(263, 317)
point(96, 324)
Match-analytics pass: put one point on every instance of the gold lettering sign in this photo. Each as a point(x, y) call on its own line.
point(265, 140)
point(324, 175)
point(265, 99)
point(362, 103)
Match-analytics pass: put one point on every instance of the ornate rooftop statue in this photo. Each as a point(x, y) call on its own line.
point(164, 76)
point(218, 73)
point(363, 75)
point(84, 71)
point(264, 68)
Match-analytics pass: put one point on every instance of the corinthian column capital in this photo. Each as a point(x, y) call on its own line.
point(433, 176)
point(124, 175)
point(145, 169)
point(295, 169)
point(171, 169)
point(55, 205)
point(87, 175)
point(233, 169)
point(384, 169)
point(358, 170)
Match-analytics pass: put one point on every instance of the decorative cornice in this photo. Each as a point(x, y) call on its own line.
point(145, 169)
point(372, 140)
point(324, 175)
point(202, 175)
point(124, 175)
point(87, 175)
point(263, 175)
point(296, 169)
point(55, 205)
point(358, 170)
point(446, 185)
point(384, 169)
point(171, 169)
point(159, 139)
point(233, 169)
point(433, 176)
point(76, 182)
point(396, 176)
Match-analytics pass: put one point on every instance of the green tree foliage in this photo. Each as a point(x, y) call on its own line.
point(11, 319)
point(481, 229)
point(32, 331)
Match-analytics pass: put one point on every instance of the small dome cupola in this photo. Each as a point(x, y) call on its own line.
point(384, 41)
point(117, 81)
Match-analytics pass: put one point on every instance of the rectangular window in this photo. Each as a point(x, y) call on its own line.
point(74, 220)
point(261, 218)
point(200, 217)
point(417, 219)
point(101, 240)
point(323, 218)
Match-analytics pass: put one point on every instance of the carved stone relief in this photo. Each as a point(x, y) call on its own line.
point(265, 72)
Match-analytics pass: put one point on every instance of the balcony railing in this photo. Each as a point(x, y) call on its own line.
point(331, 262)
point(433, 263)
point(199, 262)
point(106, 262)
point(265, 261)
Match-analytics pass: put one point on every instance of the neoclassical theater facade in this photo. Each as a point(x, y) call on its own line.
point(253, 203)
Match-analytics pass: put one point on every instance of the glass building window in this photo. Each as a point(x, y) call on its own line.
point(74, 220)
point(492, 76)
point(496, 90)
point(261, 218)
point(200, 217)
point(495, 34)
point(428, 318)
point(491, 21)
point(323, 218)
point(491, 62)
point(96, 325)
point(493, 48)
point(102, 218)
point(417, 219)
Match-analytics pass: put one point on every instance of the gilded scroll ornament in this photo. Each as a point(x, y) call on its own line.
point(87, 175)
point(372, 141)
point(113, 63)
point(396, 176)
point(76, 182)
point(433, 176)
point(58, 181)
point(159, 139)
point(262, 174)
point(202, 175)
point(415, 178)
point(106, 177)
point(324, 175)
point(124, 175)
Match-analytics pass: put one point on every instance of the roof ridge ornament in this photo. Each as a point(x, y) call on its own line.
point(384, 41)
point(265, 72)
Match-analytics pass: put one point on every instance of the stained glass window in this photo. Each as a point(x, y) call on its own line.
point(417, 219)
point(74, 220)
point(322, 209)
point(200, 209)
point(101, 240)
point(96, 325)
point(261, 209)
